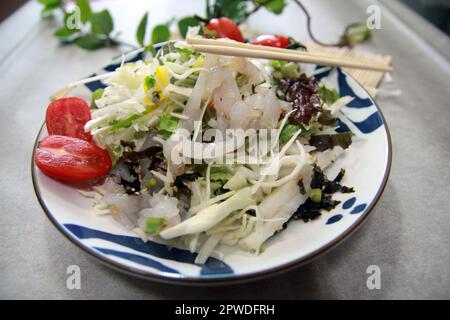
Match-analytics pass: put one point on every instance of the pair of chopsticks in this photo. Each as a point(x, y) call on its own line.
point(239, 49)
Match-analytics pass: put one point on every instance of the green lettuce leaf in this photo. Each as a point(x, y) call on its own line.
point(167, 125)
point(329, 96)
point(288, 131)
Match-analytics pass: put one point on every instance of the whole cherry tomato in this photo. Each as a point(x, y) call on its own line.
point(272, 40)
point(225, 28)
point(67, 117)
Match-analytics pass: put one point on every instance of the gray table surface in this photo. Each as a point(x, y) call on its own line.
point(408, 235)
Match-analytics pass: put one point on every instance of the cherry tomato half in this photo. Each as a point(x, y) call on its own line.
point(71, 159)
point(67, 117)
point(271, 40)
point(225, 28)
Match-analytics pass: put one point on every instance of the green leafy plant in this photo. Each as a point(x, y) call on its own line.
point(50, 6)
point(93, 30)
point(81, 26)
point(140, 33)
point(159, 33)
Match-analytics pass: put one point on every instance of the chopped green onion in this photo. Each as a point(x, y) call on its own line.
point(185, 53)
point(125, 123)
point(151, 183)
point(290, 70)
point(150, 82)
point(277, 64)
point(154, 225)
point(97, 94)
point(220, 173)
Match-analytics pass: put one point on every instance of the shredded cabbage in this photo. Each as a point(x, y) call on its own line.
point(155, 103)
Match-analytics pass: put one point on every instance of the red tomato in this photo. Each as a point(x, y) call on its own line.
point(272, 40)
point(67, 117)
point(71, 159)
point(225, 28)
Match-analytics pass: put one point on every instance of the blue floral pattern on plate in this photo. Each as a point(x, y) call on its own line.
point(211, 267)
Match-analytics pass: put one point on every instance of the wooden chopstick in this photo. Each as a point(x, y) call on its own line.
point(229, 48)
point(235, 44)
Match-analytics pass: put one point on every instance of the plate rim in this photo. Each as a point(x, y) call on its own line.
point(229, 280)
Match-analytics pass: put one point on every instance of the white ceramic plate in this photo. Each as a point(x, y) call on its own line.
point(367, 163)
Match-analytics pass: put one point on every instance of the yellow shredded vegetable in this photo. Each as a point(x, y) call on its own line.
point(162, 77)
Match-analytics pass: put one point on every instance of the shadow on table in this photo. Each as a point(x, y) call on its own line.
point(296, 284)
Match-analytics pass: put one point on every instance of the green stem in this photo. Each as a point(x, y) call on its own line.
point(254, 10)
point(122, 43)
point(309, 27)
point(201, 19)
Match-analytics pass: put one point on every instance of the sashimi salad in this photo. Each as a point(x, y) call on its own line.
point(167, 148)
